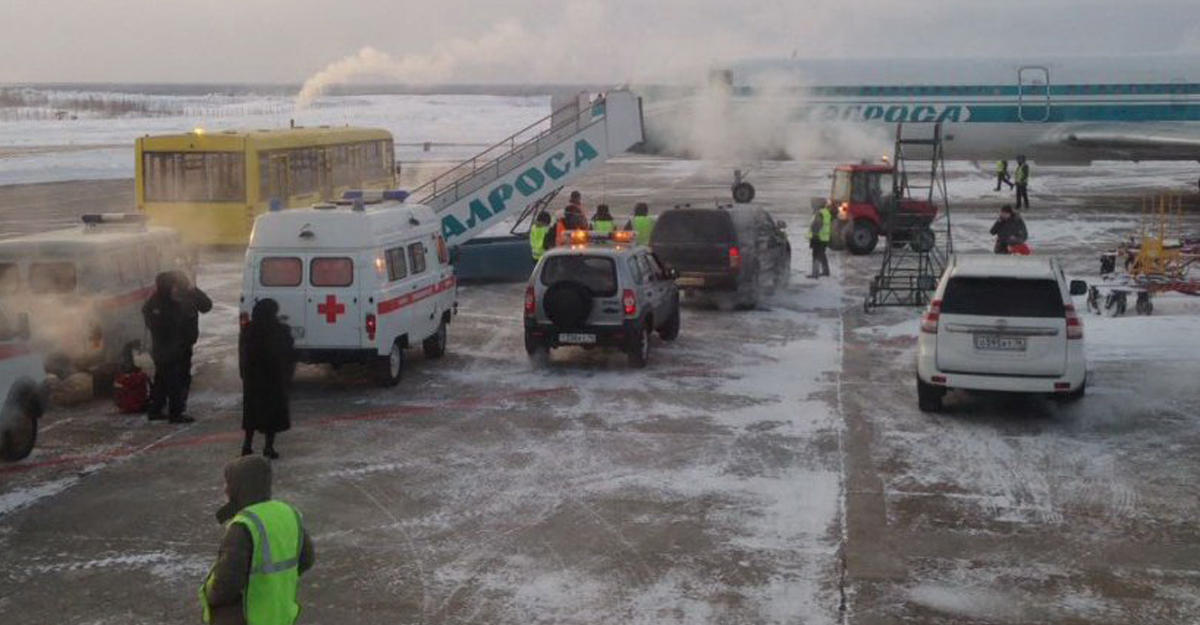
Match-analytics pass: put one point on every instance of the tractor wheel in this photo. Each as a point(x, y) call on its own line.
point(743, 193)
point(862, 238)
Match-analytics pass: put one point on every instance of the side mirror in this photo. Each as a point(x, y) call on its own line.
point(1079, 287)
point(23, 332)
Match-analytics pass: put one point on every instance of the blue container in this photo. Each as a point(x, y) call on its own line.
point(495, 259)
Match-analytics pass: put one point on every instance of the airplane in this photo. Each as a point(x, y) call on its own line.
point(1052, 110)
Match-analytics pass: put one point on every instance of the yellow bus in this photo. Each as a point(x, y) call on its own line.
point(211, 185)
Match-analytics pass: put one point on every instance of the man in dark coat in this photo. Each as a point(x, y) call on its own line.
point(1009, 230)
point(247, 482)
point(266, 361)
point(165, 319)
point(192, 303)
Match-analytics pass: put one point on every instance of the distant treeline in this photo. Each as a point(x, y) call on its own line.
point(290, 90)
point(25, 103)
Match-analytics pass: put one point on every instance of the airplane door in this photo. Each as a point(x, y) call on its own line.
point(1033, 93)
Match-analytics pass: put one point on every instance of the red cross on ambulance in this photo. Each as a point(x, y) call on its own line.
point(331, 308)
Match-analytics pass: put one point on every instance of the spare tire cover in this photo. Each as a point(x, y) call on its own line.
point(567, 304)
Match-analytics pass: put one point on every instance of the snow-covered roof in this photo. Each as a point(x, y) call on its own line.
point(341, 226)
point(80, 240)
point(1004, 266)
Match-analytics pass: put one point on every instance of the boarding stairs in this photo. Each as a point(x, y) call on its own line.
point(531, 165)
point(916, 252)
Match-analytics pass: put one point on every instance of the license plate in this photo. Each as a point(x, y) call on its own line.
point(577, 339)
point(689, 281)
point(997, 343)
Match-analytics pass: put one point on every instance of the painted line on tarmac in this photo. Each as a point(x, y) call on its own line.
point(379, 414)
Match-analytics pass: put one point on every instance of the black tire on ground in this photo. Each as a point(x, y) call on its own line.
point(435, 345)
point(923, 240)
point(743, 193)
point(20, 428)
point(862, 238)
point(567, 304)
point(1144, 306)
point(536, 348)
point(670, 330)
point(390, 368)
point(929, 397)
point(748, 292)
point(639, 347)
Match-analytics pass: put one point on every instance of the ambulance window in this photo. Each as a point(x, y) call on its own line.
point(331, 272)
point(397, 268)
point(280, 271)
point(10, 278)
point(416, 257)
point(52, 277)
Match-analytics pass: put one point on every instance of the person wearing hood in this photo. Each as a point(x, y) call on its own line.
point(266, 362)
point(1009, 230)
point(262, 555)
point(192, 303)
point(602, 221)
point(165, 319)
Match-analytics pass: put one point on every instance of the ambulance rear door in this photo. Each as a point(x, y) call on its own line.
point(281, 276)
point(335, 310)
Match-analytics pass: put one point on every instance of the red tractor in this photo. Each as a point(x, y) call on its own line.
point(865, 197)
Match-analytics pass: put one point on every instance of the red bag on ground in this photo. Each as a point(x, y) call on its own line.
point(131, 391)
point(1020, 249)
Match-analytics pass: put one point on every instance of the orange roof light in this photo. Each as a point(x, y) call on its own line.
point(623, 236)
point(579, 237)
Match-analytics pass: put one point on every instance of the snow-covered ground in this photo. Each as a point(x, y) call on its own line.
point(43, 150)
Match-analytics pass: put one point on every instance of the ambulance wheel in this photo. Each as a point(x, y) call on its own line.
point(435, 346)
point(20, 426)
point(743, 193)
point(639, 348)
point(388, 369)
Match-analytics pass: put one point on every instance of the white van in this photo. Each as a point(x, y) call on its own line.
point(1002, 323)
point(356, 282)
point(22, 387)
point(83, 288)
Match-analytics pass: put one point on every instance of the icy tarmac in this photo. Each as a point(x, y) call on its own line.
point(770, 466)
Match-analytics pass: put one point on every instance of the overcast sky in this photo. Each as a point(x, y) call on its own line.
point(541, 40)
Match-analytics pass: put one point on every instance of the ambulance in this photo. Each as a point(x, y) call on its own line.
point(358, 281)
point(83, 288)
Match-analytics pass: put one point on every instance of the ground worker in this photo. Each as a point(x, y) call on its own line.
point(572, 219)
point(1002, 174)
point(1009, 230)
point(537, 235)
point(264, 552)
point(576, 201)
point(602, 221)
point(1021, 181)
point(171, 315)
point(819, 233)
point(642, 223)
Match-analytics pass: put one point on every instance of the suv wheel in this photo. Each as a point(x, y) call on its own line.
point(18, 438)
point(389, 369)
point(862, 237)
point(747, 296)
point(537, 349)
point(435, 346)
point(639, 348)
point(929, 397)
point(670, 330)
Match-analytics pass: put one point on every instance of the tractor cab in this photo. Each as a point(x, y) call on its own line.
point(865, 196)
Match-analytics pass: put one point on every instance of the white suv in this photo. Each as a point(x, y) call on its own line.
point(1002, 323)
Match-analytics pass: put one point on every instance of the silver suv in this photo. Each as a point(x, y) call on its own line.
point(607, 294)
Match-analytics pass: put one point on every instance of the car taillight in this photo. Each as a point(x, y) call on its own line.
point(244, 319)
point(929, 322)
point(372, 325)
point(629, 300)
point(735, 258)
point(530, 302)
point(1074, 323)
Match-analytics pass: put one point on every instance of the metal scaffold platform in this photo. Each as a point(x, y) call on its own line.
point(917, 224)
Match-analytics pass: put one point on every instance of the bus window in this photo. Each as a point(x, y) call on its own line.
point(331, 272)
point(52, 277)
point(280, 271)
point(10, 278)
point(194, 176)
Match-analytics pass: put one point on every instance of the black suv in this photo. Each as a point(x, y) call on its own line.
point(733, 254)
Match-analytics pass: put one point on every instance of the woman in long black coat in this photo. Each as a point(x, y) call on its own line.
point(266, 361)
